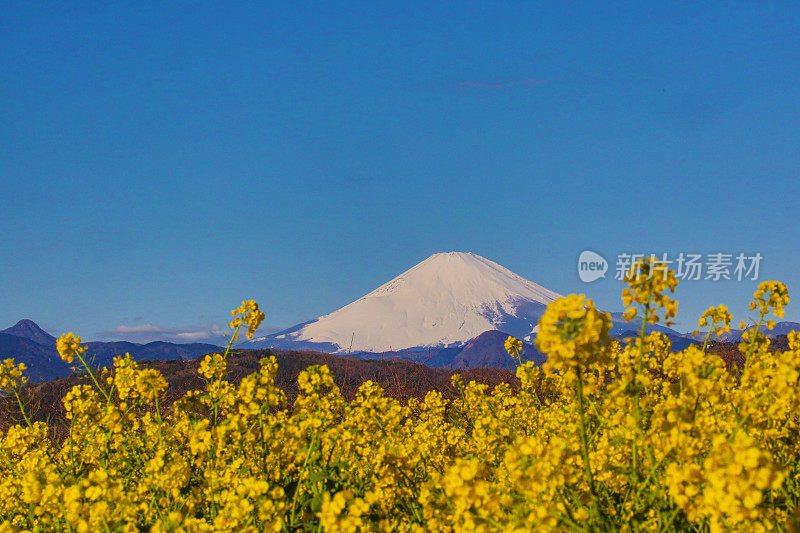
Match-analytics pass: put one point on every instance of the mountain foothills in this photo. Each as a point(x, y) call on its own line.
point(27, 343)
point(452, 310)
point(44, 364)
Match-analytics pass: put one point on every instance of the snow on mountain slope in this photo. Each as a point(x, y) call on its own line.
point(445, 300)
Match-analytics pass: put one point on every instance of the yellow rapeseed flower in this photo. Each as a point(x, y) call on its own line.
point(68, 346)
point(247, 314)
point(514, 348)
point(572, 332)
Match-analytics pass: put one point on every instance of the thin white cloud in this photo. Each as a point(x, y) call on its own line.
point(148, 333)
point(143, 333)
point(192, 336)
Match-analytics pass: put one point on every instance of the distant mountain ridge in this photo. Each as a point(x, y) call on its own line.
point(781, 328)
point(28, 329)
point(27, 343)
point(488, 350)
point(42, 362)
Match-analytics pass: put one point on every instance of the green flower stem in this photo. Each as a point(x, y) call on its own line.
point(21, 407)
point(587, 466)
point(637, 412)
point(300, 480)
point(91, 374)
point(753, 341)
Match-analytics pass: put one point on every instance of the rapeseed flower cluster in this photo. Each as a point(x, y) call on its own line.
point(11, 375)
point(720, 322)
point(606, 436)
point(647, 280)
point(68, 346)
point(247, 314)
point(514, 348)
point(572, 332)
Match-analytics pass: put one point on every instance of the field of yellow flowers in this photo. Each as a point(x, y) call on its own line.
point(603, 437)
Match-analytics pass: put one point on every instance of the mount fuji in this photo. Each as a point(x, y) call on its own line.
point(443, 302)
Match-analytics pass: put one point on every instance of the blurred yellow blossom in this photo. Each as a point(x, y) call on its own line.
point(68, 346)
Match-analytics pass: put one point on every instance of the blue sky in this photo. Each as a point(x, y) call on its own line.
point(160, 165)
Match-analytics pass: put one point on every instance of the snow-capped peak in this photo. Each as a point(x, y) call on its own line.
point(470, 278)
point(447, 299)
